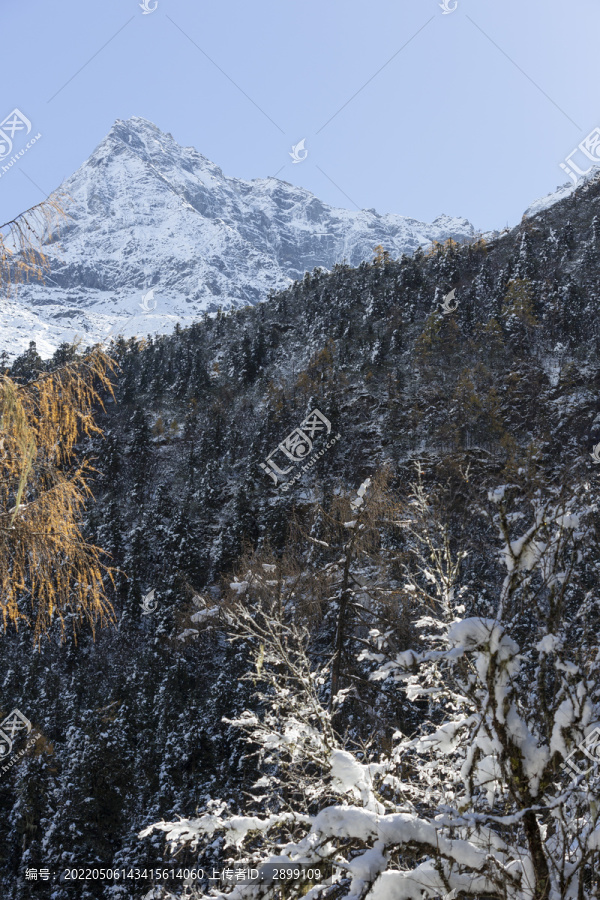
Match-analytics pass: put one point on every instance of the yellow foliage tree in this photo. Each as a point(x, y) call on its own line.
point(437, 248)
point(518, 302)
point(48, 571)
point(519, 314)
point(158, 428)
point(21, 251)
point(46, 565)
point(381, 256)
point(319, 373)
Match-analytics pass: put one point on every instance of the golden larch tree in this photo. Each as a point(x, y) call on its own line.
point(48, 570)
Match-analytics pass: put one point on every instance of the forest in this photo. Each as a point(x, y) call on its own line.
point(385, 670)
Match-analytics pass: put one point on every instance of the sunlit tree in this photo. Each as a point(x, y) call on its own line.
point(48, 570)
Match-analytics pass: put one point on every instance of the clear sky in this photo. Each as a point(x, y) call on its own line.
point(403, 108)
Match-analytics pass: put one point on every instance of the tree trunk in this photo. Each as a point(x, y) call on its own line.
point(345, 592)
point(536, 848)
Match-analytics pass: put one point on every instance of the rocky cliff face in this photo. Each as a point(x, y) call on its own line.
point(149, 215)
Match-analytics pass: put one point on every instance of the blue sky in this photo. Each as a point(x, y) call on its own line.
point(403, 108)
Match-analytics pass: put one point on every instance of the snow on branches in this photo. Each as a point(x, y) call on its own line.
point(477, 801)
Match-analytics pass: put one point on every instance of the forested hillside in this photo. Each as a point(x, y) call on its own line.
point(436, 411)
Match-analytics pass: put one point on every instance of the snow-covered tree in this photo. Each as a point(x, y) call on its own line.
point(478, 801)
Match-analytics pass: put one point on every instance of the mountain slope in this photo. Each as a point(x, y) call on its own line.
point(147, 213)
point(505, 388)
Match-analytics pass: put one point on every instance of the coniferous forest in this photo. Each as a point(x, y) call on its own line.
point(378, 670)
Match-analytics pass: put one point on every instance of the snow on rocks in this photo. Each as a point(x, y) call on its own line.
point(146, 213)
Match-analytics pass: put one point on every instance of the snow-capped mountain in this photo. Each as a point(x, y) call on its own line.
point(149, 215)
point(561, 193)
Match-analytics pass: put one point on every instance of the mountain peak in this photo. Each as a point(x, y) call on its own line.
point(142, 135)
point(148, 213)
